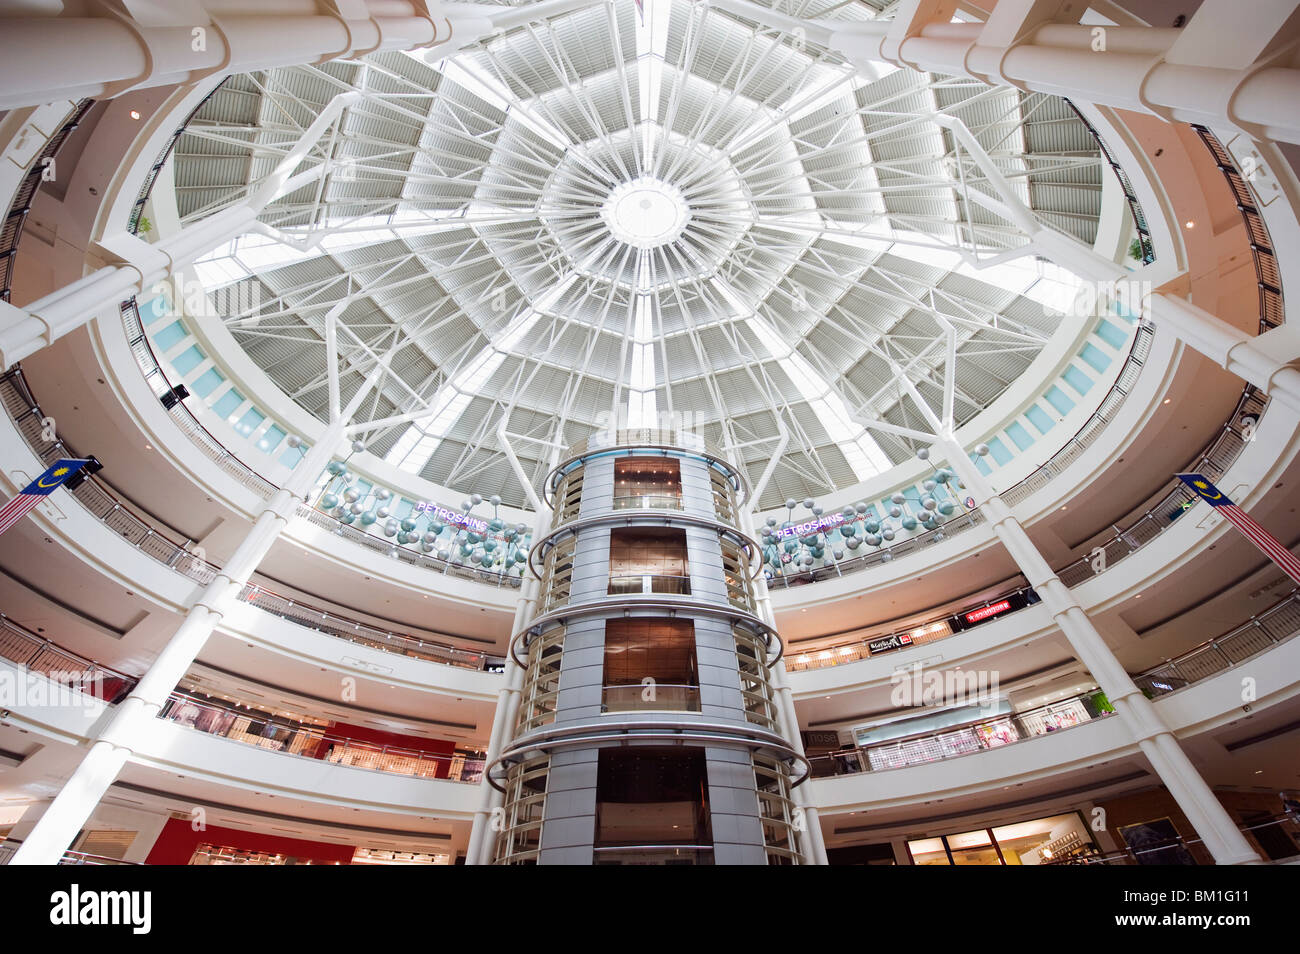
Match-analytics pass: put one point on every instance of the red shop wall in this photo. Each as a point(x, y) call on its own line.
point(359, 733)
point(176, 844)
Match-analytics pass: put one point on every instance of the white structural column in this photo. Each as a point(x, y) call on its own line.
point(44, 58)
point(482, 836)
point(813, 843)
point(1229, 347)
point(1207, 815)
point(1232, 64)
point(132, 717)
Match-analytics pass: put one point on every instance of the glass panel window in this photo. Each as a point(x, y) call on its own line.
point(648, 560)
point(647, 482)
point(650, 664)
point(652, 807)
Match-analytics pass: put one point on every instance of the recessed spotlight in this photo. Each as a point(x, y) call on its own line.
point(135, 114)
point(1167, 400)
point(1189, 224)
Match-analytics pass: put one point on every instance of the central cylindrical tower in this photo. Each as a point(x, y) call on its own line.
point(647, 729)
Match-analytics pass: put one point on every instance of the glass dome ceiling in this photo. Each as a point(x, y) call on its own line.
point(671, 216)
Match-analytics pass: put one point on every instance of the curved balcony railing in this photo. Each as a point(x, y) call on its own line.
point(255, 727)
point(1073, 449)
point(232, 466)
point(995, 732)
point(21, 204)
point(1258, 634)
point(232, 721)
point(1262, 632)
point(20, 645)
point(1129, 535)
point(125, 520)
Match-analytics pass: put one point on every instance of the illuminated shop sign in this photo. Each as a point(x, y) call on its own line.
point(888, 643)
point(453, 517)
point(988, 612)
point(829, 522)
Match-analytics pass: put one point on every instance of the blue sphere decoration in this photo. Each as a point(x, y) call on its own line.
point(473, 537)
point(521, 556)
point(464, 549)
point(486, 561)
point(489, 545)
point(909, 523)
point(818, 552)
point(329, 501)
point(872, 526)
point(496, 525)
point(437, 526)
point(408, 524)
point(849, 530)
point(346, 517)
point(791, 546)
point(336, 467)
point(946, 507)
point(368, 518)
point(943, 476)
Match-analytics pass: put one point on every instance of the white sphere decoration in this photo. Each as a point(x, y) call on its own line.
point(495, 500)
point(382, 513)
point(817, 511)
point(808, 560)
point(791, 503)
point(358, 447)
point(888, 534)
point(854, 542)
point(383, 493)
point(475, 499)
point(929, 503)
point(861, 506)
point(293, 440)
point(895, 512)
point(929, 486)
point(873, 540)
point(809, 503)
point(429, 538)
point(465, 505)
point(982, 450)
point(357, 508)
point(839, 554)
point(351, 494)
point(898, 498)
point(771, 521)
point(349, 477)
point(521, 528)
point(444, 555)
point(886, 557)
point(923, 453)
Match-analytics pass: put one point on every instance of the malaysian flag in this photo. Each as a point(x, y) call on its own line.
point(38, 490)
point(1269, 544)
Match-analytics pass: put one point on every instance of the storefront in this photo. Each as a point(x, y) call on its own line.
point(1059, 839)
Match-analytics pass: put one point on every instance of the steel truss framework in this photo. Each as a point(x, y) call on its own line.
point(839, 227)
